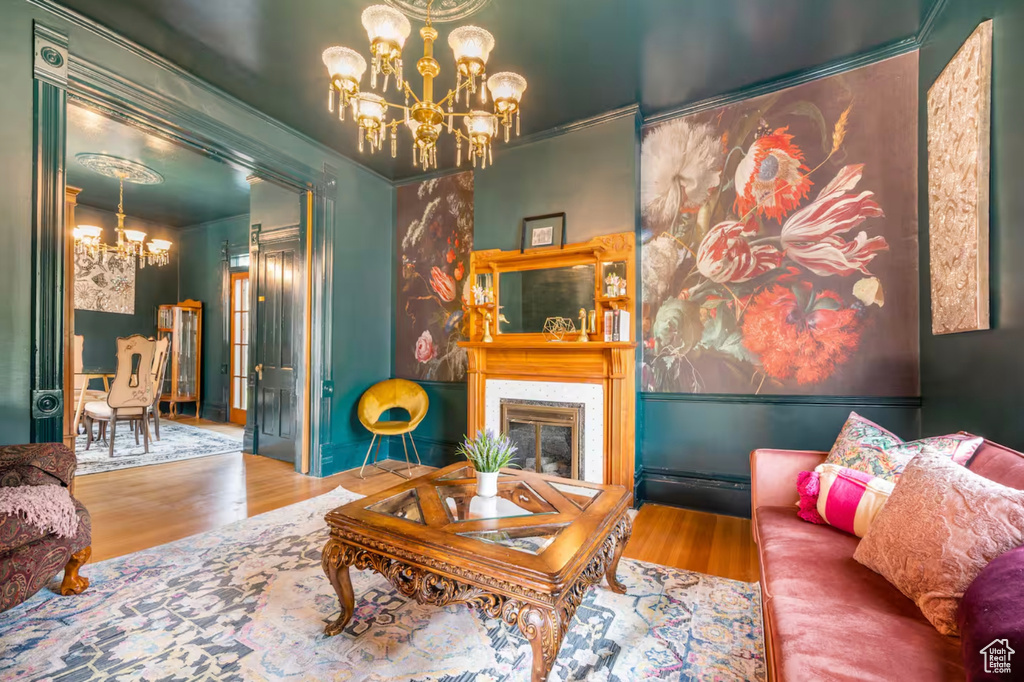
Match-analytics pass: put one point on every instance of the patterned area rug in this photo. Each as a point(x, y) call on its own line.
point(177, 441)
point(249, 602)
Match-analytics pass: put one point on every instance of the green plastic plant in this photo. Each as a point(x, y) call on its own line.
point(488, 452)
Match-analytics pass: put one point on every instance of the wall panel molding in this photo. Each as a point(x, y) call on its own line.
point(850, 401)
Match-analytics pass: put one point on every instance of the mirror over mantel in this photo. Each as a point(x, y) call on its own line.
point(536, 296)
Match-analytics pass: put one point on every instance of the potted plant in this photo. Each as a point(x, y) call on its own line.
point(488, 453)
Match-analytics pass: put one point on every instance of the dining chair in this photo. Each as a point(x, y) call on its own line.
point(159, 371)
point(131, 395)
point(388, 395)
point(83, 393)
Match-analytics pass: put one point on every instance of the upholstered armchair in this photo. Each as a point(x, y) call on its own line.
point(29, 556)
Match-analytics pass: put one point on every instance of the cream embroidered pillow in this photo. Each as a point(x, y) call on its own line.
point(941, 526)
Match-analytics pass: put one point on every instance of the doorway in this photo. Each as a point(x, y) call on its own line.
point(239, 347)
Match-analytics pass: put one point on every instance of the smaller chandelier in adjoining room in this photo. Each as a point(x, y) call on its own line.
point(425, 117)
point(131, 246)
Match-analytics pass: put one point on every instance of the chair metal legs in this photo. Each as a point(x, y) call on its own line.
point(367, 458)
point(376, 457)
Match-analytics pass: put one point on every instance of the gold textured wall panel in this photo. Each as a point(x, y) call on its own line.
point(959, 104)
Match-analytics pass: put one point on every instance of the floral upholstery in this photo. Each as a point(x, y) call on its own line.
point(29, 558)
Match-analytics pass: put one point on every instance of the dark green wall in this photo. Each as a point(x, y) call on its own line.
point(975, 381)
point(590, 174)
point(153, 287)
point(363, 222)
point(200, 278)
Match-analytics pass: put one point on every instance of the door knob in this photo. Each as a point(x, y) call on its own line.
point(259, 371)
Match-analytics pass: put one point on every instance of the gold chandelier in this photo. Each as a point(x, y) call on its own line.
point(131, 245)
point(388, 29)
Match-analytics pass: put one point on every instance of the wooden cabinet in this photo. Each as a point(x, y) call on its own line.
point(183, 324)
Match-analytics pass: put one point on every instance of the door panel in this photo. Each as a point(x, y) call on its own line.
point(239, 346)
point(279, 319)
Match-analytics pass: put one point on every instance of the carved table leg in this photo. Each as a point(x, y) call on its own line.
point(545, 630)
point(335, 563)
point(74, 583)
point(621, 534)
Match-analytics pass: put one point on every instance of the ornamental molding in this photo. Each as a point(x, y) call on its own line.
point(50, 55)
point(442, 11)
point(119, 168)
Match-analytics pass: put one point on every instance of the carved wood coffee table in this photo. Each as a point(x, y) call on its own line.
point(527, 556)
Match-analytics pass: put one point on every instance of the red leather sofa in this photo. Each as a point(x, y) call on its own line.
point(826, 617)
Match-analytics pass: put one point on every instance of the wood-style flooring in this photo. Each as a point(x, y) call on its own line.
point(134, 509)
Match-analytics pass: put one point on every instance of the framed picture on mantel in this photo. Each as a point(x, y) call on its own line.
point(543, 230)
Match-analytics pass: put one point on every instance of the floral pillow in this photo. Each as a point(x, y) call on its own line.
point(865, 446)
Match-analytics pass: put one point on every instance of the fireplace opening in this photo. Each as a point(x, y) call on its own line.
point(547, 436)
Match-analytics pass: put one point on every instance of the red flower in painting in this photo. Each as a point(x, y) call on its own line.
point(725, 255)
point(799, 333)
point(811, 235)
point(770, 179)
point(460, 270)
point(442, 284)
point(450, 256)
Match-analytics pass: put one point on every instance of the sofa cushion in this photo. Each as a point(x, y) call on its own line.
point(1000, 464)
point(15, 532)
point(832, 618)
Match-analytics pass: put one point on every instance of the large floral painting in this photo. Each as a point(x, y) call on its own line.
point(435, 238)
point(105, 284)
point(780, 241)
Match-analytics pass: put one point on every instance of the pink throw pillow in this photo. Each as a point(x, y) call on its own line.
point(942, 525)
point(850, 499)
point(807, 486)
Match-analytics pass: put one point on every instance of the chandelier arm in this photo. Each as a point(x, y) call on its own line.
point(410, 91)
point(452, 93)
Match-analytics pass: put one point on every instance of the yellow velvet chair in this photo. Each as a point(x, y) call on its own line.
point(387, 395)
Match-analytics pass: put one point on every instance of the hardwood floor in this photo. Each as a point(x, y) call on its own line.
point(134, 509)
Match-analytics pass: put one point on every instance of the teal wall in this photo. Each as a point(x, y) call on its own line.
point(363, 224)
point(590, 174)
point(200, 278)
point(153, 287)
point(973, 381)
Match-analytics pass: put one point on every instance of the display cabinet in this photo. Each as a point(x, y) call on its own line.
point(183, 324)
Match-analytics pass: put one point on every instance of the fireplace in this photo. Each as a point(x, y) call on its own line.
point(548, 435)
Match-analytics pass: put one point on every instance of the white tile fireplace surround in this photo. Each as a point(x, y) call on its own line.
point(590, 395)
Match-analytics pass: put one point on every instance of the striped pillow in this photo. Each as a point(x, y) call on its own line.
point(849, 499)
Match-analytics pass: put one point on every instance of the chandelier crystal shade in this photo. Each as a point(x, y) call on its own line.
point(425, 117)
point(131, 246)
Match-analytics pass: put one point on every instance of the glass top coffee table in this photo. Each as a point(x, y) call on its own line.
point(527, 555)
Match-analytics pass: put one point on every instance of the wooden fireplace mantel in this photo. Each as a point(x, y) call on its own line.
point(533, 357)
point(613, 365)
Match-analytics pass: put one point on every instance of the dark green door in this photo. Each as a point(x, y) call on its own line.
point(278, 354)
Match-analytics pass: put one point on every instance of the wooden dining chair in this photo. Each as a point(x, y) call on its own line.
point(159, 371)
point(131, 395)
point(83, 393)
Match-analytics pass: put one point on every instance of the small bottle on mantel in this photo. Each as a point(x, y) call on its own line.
point(609, 321)
point(592, 322)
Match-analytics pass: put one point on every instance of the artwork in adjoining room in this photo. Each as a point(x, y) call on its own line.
point(105, 284)
point(959, 124)
point(435, 238)
point(780, 247)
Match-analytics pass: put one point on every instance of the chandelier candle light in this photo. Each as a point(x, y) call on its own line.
point(131, 244)
point(426, 119)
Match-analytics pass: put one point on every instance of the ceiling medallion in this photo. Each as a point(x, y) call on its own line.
point(426, 118)
point(131, 246)
point(120, 168)
point(442, 12)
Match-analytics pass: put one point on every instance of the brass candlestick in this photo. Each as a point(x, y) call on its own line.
point(487, 328)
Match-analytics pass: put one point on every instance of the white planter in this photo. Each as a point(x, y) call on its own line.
point(486, 483)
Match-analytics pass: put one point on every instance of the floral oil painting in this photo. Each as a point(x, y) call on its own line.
point(435, 238)
point(780, 250)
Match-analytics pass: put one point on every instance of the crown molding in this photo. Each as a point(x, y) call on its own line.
point(929, 21)
point(832, 68)
point(84, 22)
